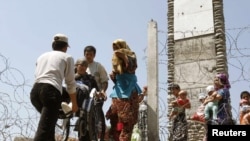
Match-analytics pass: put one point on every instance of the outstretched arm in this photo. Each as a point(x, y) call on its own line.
point(74, 102)
point(103, 89)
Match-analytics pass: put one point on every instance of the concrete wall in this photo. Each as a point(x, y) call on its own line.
point(194, 66)
point(193, 60)
point(188, 16)
point(196, 131)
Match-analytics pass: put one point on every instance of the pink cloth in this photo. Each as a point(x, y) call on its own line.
point(199, 114)
point(182, 102)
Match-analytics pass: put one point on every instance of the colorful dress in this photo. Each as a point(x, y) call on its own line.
point(180, 127)
point(123, 112)
point(224, 114)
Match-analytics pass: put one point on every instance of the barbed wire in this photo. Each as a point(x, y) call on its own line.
point(18, 118)
point(237, 42)
point(17, 115)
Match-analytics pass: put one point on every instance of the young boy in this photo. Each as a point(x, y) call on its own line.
point(245, 108)
point(86, 83)
point(179, 104)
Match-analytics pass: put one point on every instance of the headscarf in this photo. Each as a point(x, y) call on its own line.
point(120, 43)
point(223, 80)
point(120, 46)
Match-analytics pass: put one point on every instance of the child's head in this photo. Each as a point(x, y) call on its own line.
point(202, 97)
point(210, 89)
point(81, 66)
point(245, 97)
point(182, 100)
point(182, 94)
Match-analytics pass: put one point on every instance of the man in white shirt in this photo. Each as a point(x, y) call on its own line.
point(52, 68)
point(101, 76)
point(96, 69)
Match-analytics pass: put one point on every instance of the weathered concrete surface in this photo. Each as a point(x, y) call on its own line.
point(22, 139)
point(58, 138)
point(196, 130)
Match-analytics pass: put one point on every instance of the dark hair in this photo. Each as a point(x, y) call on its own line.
point(244, 92)
point(58, 45)
point(174, 86)
point(89, 48)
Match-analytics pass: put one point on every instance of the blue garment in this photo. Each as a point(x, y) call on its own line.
point(224, 115)
point(125, 84)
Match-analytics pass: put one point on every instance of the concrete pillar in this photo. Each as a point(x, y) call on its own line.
point(152, 82)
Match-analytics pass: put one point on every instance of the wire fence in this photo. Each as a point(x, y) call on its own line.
point(238, 56)
point(18, 118)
